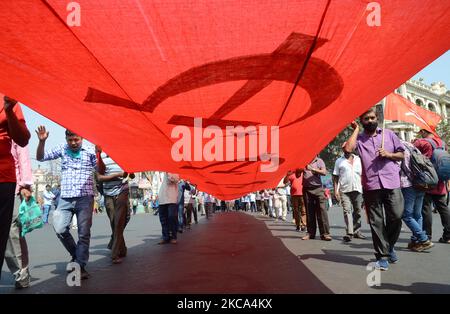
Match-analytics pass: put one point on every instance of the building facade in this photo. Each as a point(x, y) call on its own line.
point(434, 97)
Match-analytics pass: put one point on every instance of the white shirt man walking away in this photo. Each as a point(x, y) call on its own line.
point(348, 191)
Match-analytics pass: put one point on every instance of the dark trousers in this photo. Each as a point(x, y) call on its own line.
point(190, 209)
point(316, 210)
point(7, 191)
point(265, 207)
point(258, 205)
point(440, 203)
point(299, 210)
point(384, 235)
point(208, 209)
point(117, 209)
point(168, 216)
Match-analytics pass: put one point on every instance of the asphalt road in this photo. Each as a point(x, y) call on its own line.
point(233, 252)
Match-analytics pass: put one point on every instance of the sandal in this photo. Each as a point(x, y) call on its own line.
point(326, 237)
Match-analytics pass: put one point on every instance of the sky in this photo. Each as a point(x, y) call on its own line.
point(437, 71)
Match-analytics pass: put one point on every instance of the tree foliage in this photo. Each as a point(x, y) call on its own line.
point(443, 130)
point(334, 149)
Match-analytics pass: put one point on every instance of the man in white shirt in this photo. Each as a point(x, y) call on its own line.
point(281, 195)
point(48, 197)
point(348, 190)
point(168, 208)
point(252, 202)
point(189, 202)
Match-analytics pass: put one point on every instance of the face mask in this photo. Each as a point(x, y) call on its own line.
point(371, 126)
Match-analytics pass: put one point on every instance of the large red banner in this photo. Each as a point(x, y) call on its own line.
point(126, 73)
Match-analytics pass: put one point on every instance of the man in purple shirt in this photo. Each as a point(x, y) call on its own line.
point(381, 184)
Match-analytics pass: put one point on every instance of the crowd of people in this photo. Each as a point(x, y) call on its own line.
point(373, 175)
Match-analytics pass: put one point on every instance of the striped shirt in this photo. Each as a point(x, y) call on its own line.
point(76, 172)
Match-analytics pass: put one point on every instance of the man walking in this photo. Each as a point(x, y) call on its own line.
point(438, 196)
point(380, 155)
point(348, 190)
point(49, 198)
point(12, 128)
point(16, 255)
point(315, 201)
point(298, 205)
point(77, 193)
point(116, 192)
point(168, 208)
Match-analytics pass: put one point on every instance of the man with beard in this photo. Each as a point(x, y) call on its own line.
point(381, 183)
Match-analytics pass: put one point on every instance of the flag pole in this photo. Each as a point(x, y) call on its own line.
point(384, 123)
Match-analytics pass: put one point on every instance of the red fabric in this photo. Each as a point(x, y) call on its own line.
point(425, 147)
point(296, 184)
point(7, 165)
point(134, 69)
point(400, 108)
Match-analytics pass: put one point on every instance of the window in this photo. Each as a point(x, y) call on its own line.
point(431, 107)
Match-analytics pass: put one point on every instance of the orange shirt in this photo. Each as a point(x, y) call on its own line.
point(7, 166)
point(296, 184)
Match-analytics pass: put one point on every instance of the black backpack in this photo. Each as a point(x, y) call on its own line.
point(423, 174)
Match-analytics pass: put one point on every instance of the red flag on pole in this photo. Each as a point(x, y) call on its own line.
point(400, 108)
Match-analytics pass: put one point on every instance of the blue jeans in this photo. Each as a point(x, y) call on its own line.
point(168, 218)
point(46, 209)
point(180, 216)
point(412, 216)
point(62, 217)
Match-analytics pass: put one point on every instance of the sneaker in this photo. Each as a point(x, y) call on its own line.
point(297, 228)
point(393, 258)
point(422, 246)
point(163, 242)
point(382, 264)
point(359, 235)
point(22, 284)
point(173, 241)
point(22, 279)
point(412, 244)
point(347, 238)
point(303, 228)
point(442, 240)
